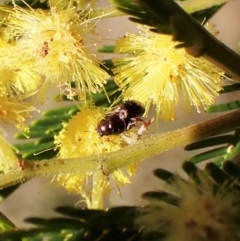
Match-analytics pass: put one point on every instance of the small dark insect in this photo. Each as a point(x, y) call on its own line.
point(122, 118)
point(129, 109)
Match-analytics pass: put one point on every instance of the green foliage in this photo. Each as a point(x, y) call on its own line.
point(233, 105)
point(205, 14)
point(223, 147)
point(228, 151)
point(119, 223)
point(141, 13)
point(167, 17)
point(161, 16)
point(5, 223)
point(106, 49)
point(230, 88)
point(87, 225)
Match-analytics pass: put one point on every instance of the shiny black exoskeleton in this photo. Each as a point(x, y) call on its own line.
point(130, 109)
point(121, 119)
point(111, 124)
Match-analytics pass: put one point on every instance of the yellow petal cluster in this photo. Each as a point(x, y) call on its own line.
point(79, 138)
point(8, 159)
point(14, 111)
point(43, 48)
point(16, 84)
point(55, 43)
point(17, 77)
point(156, 73)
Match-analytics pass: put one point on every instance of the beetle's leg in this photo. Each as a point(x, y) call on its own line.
point(144, 126)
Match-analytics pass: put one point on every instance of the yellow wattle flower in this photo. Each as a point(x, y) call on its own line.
point(56, 42)
point(14, 111)
point(8, 159)
point(79, 138)
point(156, 73)
point(17, 77)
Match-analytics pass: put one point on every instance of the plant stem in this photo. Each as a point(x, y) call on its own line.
point(222, 56)
point(194, 37)
point(145, 148)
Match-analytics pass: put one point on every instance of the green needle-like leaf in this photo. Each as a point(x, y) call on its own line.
point(44, 140)
point(78, 213)
point(38, 234)
point(56, 223)
point(231, 169)
point(39, 149)
point(230, 88)
point(208, 155)
point(22, 147)
point(233, 105)
point(59, 111)
point(190, 168)
point(44, 154)
point(106, 49)
point(108, 66)
point(164, 175)
point(46, 121)
point(161, 196)
point(205, 14)
point(32, 134)
point(214, 141)
point(219, 161)
point(54, 129)
point(5, 223)
point(217, 174)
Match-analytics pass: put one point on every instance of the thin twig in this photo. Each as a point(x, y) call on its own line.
point(147, 147)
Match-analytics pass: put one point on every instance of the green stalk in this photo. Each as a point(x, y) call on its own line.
point(147, 147)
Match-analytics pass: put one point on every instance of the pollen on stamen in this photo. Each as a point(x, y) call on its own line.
point(15, 112)
point(54, 42)
point(79, 138)
point(174, 78)
point(8, 158)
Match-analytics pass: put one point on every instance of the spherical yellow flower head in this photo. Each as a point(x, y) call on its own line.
point(79, 138)
point(55, 41)
point(14, 111)
point(205, 212)
point(8, 159)
point(25, 81)
point(17, 77)
point(156, 73)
